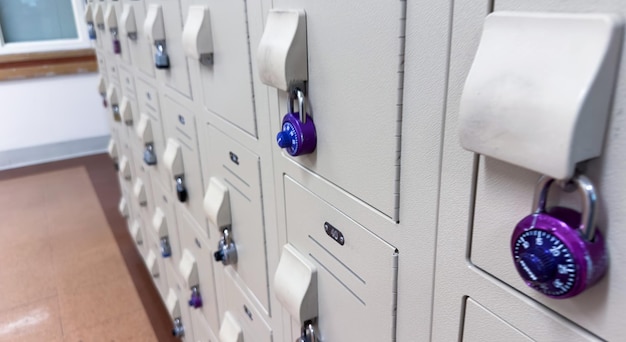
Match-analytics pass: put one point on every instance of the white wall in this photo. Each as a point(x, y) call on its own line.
point(50, 110)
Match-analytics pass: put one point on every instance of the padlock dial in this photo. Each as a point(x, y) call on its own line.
point(545, 262)
point(297, 138)
point(553, 258)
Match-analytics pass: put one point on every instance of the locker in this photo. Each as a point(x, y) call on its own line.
point(167, 226)
point(138, 235)
point(354, 96)
point(196, 269)
point(98, 18)
point(240, 309)
point(102, 67)
point(239, 169)
point(128, 82)
point(131, 21)
point(202, 332)
point(156, 267)
point(229, 71)
point(114, 76)
point(164, 23)
point(485, 198)
point(482, 325)
point(182, 145)
point(176, 302)
point(148, 99)
point(356, 270)
point(118, 45)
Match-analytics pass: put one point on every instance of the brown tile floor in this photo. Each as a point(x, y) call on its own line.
point(65, 273)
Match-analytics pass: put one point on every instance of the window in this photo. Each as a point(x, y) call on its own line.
point(41, 25)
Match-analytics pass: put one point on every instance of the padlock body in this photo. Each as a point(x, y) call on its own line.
point(161, 60)
point(552, 256)
point(117, 47)
point(297, 138)
point(149, 157)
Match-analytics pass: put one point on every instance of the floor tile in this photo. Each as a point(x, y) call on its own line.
point(27, 283)
point(90, 305)
point(102, 264)
point(133, 326)
point(38, 321)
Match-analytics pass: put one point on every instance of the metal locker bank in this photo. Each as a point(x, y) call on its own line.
point(312, 171)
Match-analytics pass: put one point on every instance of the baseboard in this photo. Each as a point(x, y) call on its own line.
point(52, 152)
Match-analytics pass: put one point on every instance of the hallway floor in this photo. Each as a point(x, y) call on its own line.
point(63, 276)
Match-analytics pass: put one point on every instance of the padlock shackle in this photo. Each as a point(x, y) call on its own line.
point(585, 188)
point(298, 94)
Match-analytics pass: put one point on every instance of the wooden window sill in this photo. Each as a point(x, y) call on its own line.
point(45, 64)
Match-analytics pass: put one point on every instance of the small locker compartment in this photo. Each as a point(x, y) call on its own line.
point(579, 116)
point(150, 132)
point(156, 265)
point(201, 329)
point(142, 193)
point(516, 323)
point(128, 81)
point(233, 181)
point(241, 318)
point(131, 27)
point(164, 225)
point(138, 235)
point(196, 270)
point(215, 37)
point(163, 28)
point(356, 106)
point(480, 325)
point(102, 66)
point(182, 159)
point(356, 271)
point(98, 20)
point(177, 305)
point(114, 42)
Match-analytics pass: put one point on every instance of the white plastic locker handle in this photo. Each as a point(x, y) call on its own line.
point(217, 203)
point(159, 223)
point(111, 17)
point(539, 91)
point(282, 52)
point(144, 129)
point(112, 95)
point(153, 26)
point(98, 16)
point(102, 85)
point(295, 284)
point(128, 20)
point(139, 191)
point(112, 149)
point(197, 37)
point(126, 111)
point(125, 168)
point(151, 263)
point(135, 231)
point(230, 330)
point(123, 208)
point(173, 306)
point(188, 268)
point(173, 158)
point(88, 14)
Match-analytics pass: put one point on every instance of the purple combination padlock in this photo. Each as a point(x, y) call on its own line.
point(298, 135)
point(560, 252)
point(196, 299)
point(117, 47)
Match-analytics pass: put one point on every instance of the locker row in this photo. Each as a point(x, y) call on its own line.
point(329, 172)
